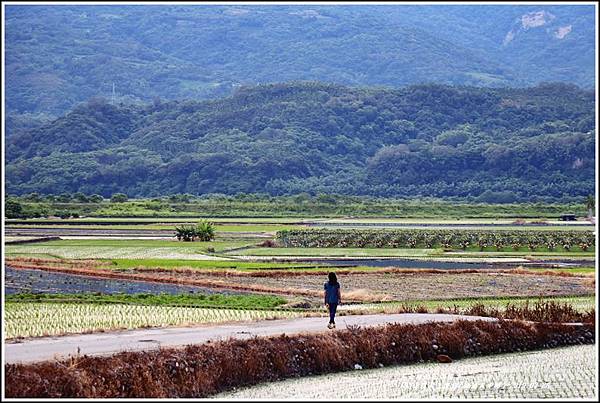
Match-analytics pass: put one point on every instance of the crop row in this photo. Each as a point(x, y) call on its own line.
point(444, 238)
point(46, 319)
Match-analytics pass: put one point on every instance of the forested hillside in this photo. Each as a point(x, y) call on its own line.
point(57, 57)
point(495, 145)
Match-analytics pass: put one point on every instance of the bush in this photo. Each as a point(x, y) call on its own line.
point(13, 209)
point(203, 231)
point(269, 243)
point(96, 198)
point(118, 198)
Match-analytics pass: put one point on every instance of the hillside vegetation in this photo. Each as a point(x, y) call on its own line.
point(495, 145)
point(57, 57)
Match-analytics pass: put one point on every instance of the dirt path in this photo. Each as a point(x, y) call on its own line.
point(48, 348)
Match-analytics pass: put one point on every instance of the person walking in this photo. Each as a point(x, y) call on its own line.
point(333, 297)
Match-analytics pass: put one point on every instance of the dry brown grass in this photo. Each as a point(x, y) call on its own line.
point(366, 296)
point(203, 370)
point(590, 282)
point(535, 311)
point(548, 272)
point(539, 311)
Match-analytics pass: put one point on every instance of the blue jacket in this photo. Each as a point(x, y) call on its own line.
point(331, 293)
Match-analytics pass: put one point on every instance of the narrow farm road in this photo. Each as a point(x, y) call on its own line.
point(48, 348)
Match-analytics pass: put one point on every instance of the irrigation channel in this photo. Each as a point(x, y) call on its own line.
point(40, 281)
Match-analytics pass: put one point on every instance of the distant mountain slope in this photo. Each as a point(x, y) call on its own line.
point(539, 42)
point(426, 140)
point(58, 56)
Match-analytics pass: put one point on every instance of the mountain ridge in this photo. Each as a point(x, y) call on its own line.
point(287, 138)
point(57, 57)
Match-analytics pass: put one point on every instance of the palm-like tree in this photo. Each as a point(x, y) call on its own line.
point(590, 203)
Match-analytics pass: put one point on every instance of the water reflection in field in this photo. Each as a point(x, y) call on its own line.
point(39, 281)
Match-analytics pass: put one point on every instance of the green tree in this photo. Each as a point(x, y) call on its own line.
point(81, 197)
point(203, 231)
point(185, 232)
point(13, 209)
point(34, 197)
point(118, 198)
point(64, 198)
point(96, 198)
point(326, 198)
point(590, 204)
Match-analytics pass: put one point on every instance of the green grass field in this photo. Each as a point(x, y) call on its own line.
point(157, 220)
point(571, 270)
point(166, 227)
point(203, 264)
point(339, 252)
point(148, 243)
point(249, 301)
point(122, 248)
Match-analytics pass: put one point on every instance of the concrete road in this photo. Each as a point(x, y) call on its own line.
point(48, 348)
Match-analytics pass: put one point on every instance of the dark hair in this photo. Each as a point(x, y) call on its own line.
point(332, 278)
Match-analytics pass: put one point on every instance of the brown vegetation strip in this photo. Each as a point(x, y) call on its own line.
point(539, 311)
point(287, 272)
point(203, 370)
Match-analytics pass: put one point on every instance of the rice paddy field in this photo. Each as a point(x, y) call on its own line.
point(561, 373)
point(88, 280)
point(124, 249)
point(53, 319)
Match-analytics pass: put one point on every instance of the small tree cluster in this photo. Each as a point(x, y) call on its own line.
point(118, 198)
point(202, 231)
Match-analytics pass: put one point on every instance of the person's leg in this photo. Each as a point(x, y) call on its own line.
point(332, 309)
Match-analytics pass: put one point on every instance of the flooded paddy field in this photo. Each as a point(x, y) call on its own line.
point(40, 281)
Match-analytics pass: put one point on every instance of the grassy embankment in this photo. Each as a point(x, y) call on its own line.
point(307, 207)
